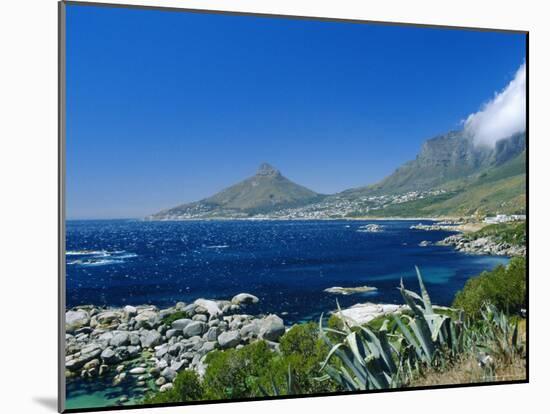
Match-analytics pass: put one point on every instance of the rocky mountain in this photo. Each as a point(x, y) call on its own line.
point(450, 176)
point(444, 159)
point(265, 191)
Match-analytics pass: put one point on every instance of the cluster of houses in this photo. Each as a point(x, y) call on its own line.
point(504, 218)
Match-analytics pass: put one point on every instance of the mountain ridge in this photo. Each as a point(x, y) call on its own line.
point(266, 190)
point(450, 175)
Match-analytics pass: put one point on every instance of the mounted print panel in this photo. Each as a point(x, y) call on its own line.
point(258, 206)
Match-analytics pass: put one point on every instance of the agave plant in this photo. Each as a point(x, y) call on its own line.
point(421, 338)
point(426, 332)
point(382, 359)
point(368, 358)
point(497, 336)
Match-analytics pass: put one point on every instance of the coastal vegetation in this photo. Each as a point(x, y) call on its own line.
point(504, 287)
point(478, 340)
point(512, 233)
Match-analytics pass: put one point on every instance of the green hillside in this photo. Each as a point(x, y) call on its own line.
point(500, 189)
point(266, 191)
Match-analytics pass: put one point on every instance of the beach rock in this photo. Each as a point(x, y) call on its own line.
point(150, 339)
point(120, 339)
point(177, 366)
point(189, 309)
point(134, 339)
point(169, 374)
point(251, 330)
point(130, 311)
point(108, 356)
point(166, 387)
point(211, 307)
point(200, 318)
point(207, 347)
point(244, 299)
point(160, 381)
point(229, 339)
point(171, 333)
point(119, 378)
point(108, 317)
point(122, 353)
point(76, 319)
point(137, 371)
point(194, 328)
point(212, 334)
point(94, 363)
point(133, 351)
point(271, 328)
point(181, 324)
point(103, 369)
point(147, 318)
point(161, 351)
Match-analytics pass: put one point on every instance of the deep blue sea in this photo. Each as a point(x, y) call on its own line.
point(287, 264)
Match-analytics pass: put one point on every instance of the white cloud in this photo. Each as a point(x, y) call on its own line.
point(502, 116)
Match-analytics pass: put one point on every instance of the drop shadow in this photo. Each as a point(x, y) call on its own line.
point(47, 402)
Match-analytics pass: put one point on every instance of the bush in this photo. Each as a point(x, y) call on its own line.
point(174, 317)
point(303, 352)
point(504, 287)
point(511, 233)
point(236, 373)
point(187, 387)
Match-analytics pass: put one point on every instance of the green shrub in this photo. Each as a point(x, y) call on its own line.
point(511, 233)
point(187, 387)
point(504, 287)
point(174, 317)
point(303, 351)
point(236, 373)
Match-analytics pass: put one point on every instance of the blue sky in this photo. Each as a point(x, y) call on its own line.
point(169, 107)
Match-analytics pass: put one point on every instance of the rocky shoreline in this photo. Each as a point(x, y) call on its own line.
point(148, 346)
point(464, 243)
point(482, 245)
point(144, 347)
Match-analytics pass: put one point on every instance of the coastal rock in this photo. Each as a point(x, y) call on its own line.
point(211, 307)
point(108, 356)
point(108, 317)
point(133, 350)
point(200, 318)
point(171, 333)
point(150, 339)
point(251, 330)
point(362, 313)
point(194, 328)
point(272, 328)
point(148, 319)
point(130, 311)
point(350, 290)
point(244, 299)
point(370, 228)
point(137, 371)
point(76, 319)
point(169, 374)
point(212, 333)
point(120, 339)
point(229, 339)
point(166, 387)
point(181, 324)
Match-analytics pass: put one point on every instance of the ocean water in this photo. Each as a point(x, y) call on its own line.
point(287, 264)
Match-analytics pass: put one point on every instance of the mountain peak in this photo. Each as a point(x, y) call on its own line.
point(266, 169)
